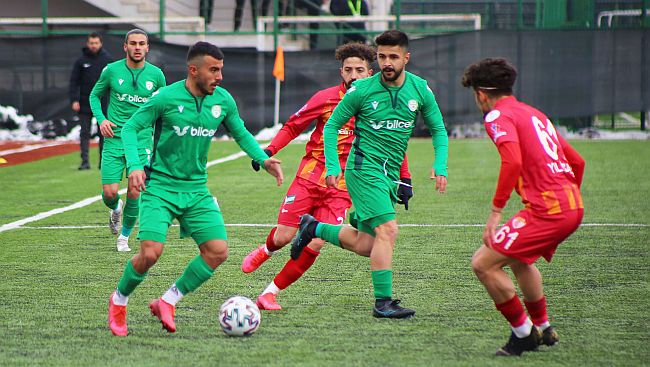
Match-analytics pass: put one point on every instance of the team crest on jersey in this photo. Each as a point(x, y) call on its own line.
point(492, 115)
point(120, 81)
point(289, 199)
point(413, 105)
point(518, 222)
point(216, 111)
point(374, 104)
point(495, 131)
point(149, 85)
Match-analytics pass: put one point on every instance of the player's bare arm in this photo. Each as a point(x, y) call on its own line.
point(273, 167)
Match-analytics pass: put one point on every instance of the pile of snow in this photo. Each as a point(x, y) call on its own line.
point(9, 115)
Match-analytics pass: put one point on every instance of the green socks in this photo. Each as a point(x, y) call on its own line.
point(111, 204)
point(130, 215)
point(329, 233)
point(130, 279)
point(382, 282)
point(196, 273)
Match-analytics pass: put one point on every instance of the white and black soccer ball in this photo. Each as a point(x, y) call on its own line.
point(239, 316)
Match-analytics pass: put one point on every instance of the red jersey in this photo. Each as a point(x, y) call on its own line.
point(546, 183)
point(319, 108)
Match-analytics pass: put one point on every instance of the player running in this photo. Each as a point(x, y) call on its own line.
point(185, 116)
point(385, 107)
point(547, 173)
point(308, 192)
point(129, 82)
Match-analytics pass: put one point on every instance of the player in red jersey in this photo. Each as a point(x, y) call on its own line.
point(547, 173)
point(309, 193)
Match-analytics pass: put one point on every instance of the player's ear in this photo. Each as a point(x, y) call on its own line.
point(407, 57)
point(369, 72)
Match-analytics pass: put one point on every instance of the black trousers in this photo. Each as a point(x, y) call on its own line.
point(85, 121)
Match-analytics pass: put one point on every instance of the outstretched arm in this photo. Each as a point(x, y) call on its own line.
point(433, 119)
point(248, 144)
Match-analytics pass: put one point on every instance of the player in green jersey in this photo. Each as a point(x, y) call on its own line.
point(385, 106)
point(129, 83)
point(185, 116)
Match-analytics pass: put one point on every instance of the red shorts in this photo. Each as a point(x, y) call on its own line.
point(327, 205)
point(526, 237)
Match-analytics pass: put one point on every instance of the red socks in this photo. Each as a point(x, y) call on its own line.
point(537, 311)
point(294, 269)
point(270, 245)
point(513, 311)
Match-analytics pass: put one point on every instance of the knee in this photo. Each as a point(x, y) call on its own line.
point(150, 255)
point(110, 193)
point(215, 254)
point(387, 231)
point(479, 267)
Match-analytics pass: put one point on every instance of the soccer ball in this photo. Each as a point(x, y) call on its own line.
point(239, 316)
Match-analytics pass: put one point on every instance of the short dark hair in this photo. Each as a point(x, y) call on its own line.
point(355, 49)
point(393, 38)
point(135, 31)
point(492, 76)
point(94, 35)
point(203, 49)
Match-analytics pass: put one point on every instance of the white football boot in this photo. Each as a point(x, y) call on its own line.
point(123, 244)
point(115, 218)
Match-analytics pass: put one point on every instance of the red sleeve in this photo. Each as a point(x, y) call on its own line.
point(404, 170)
point(298, 122)
point(574, 159)
point(509, 173)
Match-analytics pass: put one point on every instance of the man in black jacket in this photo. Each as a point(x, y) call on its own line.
point(85, 73)
point(354, 8)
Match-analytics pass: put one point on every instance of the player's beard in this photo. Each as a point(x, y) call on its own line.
point(204, 86)
point(396, 73)
point(134, 59)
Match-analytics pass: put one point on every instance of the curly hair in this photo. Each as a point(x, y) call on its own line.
point(492, 76)
point(360, 50)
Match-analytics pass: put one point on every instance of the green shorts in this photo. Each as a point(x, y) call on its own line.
point(114, 160)
point(197, 212)
point(373, 197)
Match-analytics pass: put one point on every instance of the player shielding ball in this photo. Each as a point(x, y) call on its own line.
point(309, 193)
point(547, 173)
point(385, 107)
point(185, 116)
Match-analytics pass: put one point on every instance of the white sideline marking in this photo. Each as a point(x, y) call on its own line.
point(635, 225)
point(27, 148)
point(88, 201)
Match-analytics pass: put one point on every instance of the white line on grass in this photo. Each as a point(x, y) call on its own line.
point(91, 200)
point(28, 148)
point(635, 225)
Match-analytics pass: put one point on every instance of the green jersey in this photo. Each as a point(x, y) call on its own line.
point(384, 119)
point(128, 89)
point(183, 128)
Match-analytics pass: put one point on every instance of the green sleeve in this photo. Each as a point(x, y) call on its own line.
point(342, 114)
point(243, 137)
point(95, 98)
point(433, 119)
point(142, 119)
point(161, 80)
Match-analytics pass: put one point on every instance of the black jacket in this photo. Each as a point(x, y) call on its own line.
point(341, 7)
point(85, 73)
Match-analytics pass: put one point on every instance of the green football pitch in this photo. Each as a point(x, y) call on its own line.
point(56, 273)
